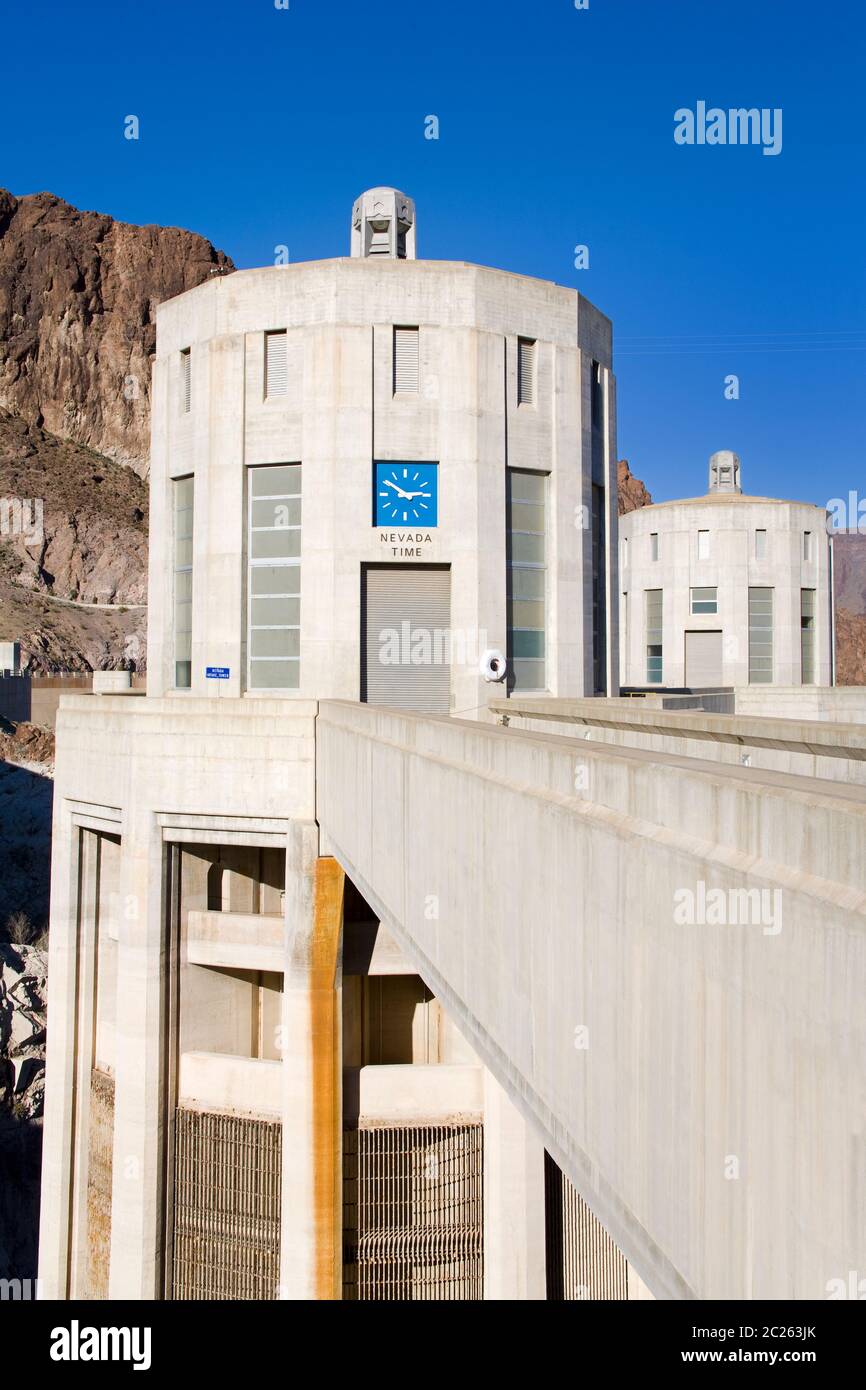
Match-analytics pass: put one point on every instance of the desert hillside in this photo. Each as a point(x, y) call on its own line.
point(78, 294)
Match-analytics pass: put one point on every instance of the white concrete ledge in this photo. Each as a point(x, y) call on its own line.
point(235, 940)
point(413, 1094)
point(230, 1085)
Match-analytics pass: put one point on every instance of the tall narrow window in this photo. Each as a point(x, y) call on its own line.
point(527, 578)
point(807, 636)
point(185, 381)
point(596, 402)
point(599, 590)
point(405, 361)
point(703, 545)
point(526, 371)
point(274, 561)
point(807, 546)
point(760, 636)
point(654, 545)
point(654, 637)
point(184, 492)
point(760, 545)
point(276, 379)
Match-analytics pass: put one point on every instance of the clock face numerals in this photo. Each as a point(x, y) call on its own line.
point(407, 494)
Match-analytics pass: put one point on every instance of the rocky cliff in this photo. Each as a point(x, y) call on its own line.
point(78, 293)
point(630, 490)
point(849, 576)
point(73, 553)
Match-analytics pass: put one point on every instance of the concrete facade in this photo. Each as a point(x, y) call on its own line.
point(364, 952)
point(751, 543)
point(339, 414)
point(212, 970)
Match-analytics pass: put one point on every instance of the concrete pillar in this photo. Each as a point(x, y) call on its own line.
point(137, 1230)
point(63, 958)
point(312, 1215)
point(514, 1241)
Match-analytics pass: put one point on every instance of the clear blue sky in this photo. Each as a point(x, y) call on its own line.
point(260, 126)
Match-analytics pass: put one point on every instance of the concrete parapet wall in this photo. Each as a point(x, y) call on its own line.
point(701, 1082)
point(233, 1085)
point(829, 750)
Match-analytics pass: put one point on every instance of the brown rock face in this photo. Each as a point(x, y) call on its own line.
point(73, 553)
point(631, 491)
point(849, 584)
point(850, 647)
point(77, 333)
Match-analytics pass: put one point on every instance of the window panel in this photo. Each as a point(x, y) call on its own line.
point(705, 600)
point(277, 512)
point(275, 612)
point(274, 549)
point(760, 636)
point(182, 506)
point(275, 675)
point(528, 583)
point(526, 579)
point(275, 545)
point(654, 636)
point(527, 550)
point(276, 480)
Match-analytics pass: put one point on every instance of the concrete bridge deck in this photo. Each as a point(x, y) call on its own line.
point(661, 957)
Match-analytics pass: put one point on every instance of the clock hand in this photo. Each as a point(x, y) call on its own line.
point(399, 491)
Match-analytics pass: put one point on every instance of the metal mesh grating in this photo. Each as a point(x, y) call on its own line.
point(413, 1213)
point(226, 1207)
point(583, 1262)
point(99, 1168)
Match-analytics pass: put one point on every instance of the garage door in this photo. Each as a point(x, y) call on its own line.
point(405, 637)
point(703, 659)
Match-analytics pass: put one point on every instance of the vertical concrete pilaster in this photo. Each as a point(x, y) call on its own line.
point(59, 1131)
point(311, 1241)
point(514, 1241)
point(137, 1226)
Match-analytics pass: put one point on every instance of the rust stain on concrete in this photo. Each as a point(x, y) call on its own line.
point(325, 945)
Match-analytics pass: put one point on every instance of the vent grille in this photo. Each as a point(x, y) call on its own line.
point(185, 381)
point(525, 371)
point(413, 1213)
point(227, 1183)
point(276, 378)
point(405, 361)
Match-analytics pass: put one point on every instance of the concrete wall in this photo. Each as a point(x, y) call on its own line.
point(732, 568)
point(808, 747)
point(702, 1085)
point(36, 699)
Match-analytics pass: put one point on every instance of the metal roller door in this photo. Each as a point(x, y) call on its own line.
point(703, 659)
point(405, 638)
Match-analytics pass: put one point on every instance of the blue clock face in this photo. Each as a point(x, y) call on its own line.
point(407, 493)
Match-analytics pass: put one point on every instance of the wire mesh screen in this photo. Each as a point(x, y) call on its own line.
point(413, 1213)
point(99, 1167)
point(583, 1262)
point(226, 1207)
